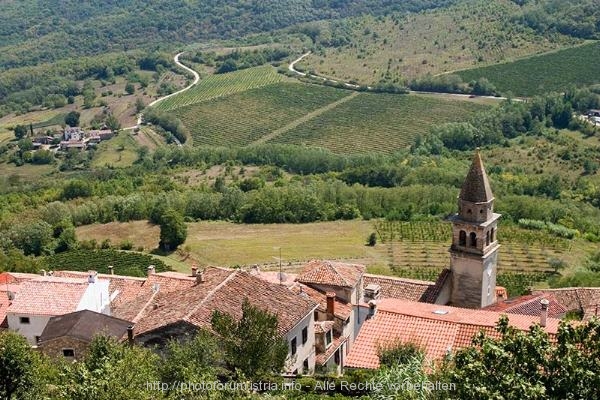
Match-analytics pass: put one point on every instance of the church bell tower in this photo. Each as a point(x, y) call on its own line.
point(474, 250)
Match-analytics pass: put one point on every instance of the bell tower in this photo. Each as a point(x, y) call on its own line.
point(474, 250)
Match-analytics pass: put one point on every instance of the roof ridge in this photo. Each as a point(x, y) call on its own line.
point(210, 294)
point(143, 309)
point(399, 278)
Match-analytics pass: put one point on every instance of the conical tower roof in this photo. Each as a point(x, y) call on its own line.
point(476, 187)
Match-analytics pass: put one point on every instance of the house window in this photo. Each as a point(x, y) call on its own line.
point(305, 366)
point(294, 346)
point(328, 338)
point(462, 238)
point(316, 315)
point(473, 239)
point(68, 353)
point(24, 320)
point(336, 357)
point(37, 339)
point(305, 335)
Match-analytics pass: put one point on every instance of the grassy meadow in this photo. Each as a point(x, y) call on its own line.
point(461, 36)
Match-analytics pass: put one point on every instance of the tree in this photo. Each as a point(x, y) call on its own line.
point(528, 365)
point(372, 239)
point(72, 118)
point(112, 370)
point(252, 345)
point(18, 364)
point(112, 122)
point(139, 105)
point(129, 88)
point(20, 131)
point(173, 230)
point(34, 238)
point(195, 359)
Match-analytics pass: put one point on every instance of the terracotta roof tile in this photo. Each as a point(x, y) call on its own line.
point(322, 358)
point(574, 298)
point(49, 296)
point(16, 277)
point(529, 305)
point(331, 273)
point(438, 333)
point(342, 310)
point(433, 291)
point(223, 290)
point(122, 288)
point(398, 288)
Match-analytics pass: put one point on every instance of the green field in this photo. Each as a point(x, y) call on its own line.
point(119, 151)
point(242, 118)
point(219, 85)
point(544, 73)
point(378, 122)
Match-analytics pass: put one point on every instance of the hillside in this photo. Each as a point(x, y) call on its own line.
point(399, 47)
point(34, 32)
point(555, 71)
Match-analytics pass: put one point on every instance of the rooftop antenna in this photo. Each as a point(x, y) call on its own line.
point(280, 271)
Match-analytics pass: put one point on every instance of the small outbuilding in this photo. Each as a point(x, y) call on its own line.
point(70, 335)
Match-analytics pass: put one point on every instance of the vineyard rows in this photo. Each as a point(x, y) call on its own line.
point(124, 263)
point(419, 250)
point(555, 71)
point(377, 122)
point(219, 85)
point(390, 231)
point(242, 118)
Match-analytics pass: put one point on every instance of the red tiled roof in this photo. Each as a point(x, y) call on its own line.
point(16, 277)
point(47, 295)
point(225, 291)
point(122, 288)
point(405, 321)
point(408, 289)
point(322, 358)
point(574, 298)
point(529, 305)
point(333, 273)
point(342, 310)
point(398, 288)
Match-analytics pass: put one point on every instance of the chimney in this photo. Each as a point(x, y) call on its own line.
point(42, 272)
point(130, 335)
point(151, 270)
point(372, 308)
point(111, 270)
point(194, 270)
point(544, 313)
point(330, 305)
point(92, 276)
point(200, 276)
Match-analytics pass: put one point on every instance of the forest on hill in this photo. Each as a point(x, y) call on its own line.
point(33, 32)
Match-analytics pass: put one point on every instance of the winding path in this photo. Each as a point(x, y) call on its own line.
point(196, 79)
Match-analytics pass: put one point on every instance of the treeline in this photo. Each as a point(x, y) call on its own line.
point(562, 366)
point(450, 83)
point(239, 59)
point(512, 119)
